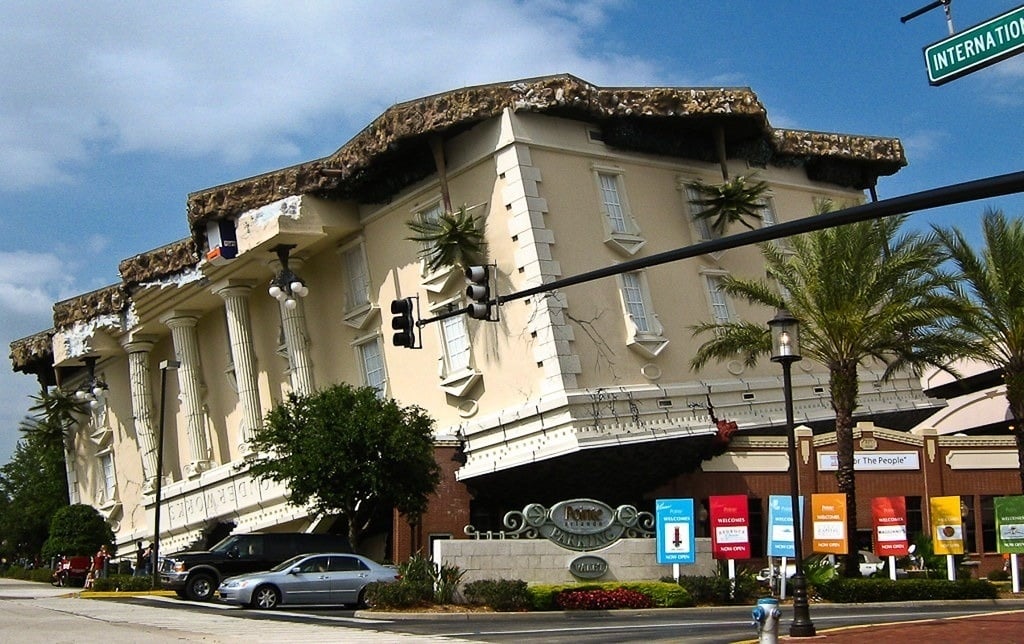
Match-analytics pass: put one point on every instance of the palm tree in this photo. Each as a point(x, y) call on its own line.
point(862, 293)
point(54, 417)
point(452, 239)
point(729, 202)
point(991, 289)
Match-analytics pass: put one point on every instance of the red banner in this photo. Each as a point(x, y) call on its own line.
point(730, 527)
point(889, 514)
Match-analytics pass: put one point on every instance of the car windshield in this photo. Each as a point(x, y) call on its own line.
point(287, 564)
point(225, 544)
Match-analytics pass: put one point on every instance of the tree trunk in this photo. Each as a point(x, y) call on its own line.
point(843, 381)
point(1015, 398)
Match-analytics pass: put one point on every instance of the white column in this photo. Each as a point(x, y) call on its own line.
point(142, 405)
point(294, 323)
point(186, 349)
point(236, 296)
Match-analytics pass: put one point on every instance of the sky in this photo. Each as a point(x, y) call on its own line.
point(111, 113)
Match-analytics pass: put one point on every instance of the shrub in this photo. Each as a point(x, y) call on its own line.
point(662, 594)
point(845, 590)
point(998, 575)
point(720, 589)
point(28, 574)
point(601, 599)
point(124, 583)
point(504, 595)
point(399, 594)
point(446, 579)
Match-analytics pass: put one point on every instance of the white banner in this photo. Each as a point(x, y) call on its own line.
point(862, 461)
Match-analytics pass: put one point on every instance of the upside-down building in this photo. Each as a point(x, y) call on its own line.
point(585, 392)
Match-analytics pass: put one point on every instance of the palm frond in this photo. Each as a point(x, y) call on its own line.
point(729, 202)
point(454, 239)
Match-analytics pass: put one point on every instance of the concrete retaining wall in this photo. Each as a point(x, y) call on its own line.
point(541, 561)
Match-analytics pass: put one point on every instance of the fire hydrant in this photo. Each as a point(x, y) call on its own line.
point(766, 620)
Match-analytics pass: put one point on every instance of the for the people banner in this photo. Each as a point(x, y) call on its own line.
point(676, 543)
point(1010, 524)
point(780, 525)
point(730, 527)
point(828, 516)
point(947, 525)
point(889, 514)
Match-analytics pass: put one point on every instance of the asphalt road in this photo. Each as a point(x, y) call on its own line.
point(40, 613)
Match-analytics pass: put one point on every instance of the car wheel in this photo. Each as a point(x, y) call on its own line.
point(265, 597)
point(200, 587)
point(181, 593)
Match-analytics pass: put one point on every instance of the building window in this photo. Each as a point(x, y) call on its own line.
point(622, 233)
point(988, 524)
point(702, 226)
point(721, 311)
point(633, 295)
point(357, 278)
point(372, 363)
point(767, 213)
point(455, 336)
point(428, 215)
point(108, 492)
point(643, 330)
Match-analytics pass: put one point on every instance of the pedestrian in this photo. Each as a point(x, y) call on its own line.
point(99, 563)
point(140, 559)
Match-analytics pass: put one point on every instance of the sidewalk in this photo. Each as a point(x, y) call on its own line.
point(996, 628)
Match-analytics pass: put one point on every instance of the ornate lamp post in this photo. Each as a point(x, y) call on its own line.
point(785, 331)
point(165, 366)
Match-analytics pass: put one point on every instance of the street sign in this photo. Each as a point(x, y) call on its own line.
point(976, 47)
point(675, 535)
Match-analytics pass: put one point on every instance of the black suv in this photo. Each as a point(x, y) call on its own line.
point(196, 574)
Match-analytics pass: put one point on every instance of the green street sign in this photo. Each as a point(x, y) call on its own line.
point(975, 48)
point(1009, 512)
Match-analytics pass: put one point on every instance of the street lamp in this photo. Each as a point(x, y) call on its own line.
point(785, 331)
point(165, 366)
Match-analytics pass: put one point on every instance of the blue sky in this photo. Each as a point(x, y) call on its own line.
point(111, 113)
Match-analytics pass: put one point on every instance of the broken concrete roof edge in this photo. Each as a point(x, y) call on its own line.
point(564, 95)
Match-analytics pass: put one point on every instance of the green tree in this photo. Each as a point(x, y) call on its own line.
point(453, 239)
point(345, 450)
point(990, 286)
point(77, 530)
point(33, 486)
point(863, 293)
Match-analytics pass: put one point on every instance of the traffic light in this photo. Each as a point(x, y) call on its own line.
point(403, 322)
point(479, 292)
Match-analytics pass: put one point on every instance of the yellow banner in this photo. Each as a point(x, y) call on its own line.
point(828, 516)
point(947, 525)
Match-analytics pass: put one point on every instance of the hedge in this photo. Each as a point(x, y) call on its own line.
point(848, 590)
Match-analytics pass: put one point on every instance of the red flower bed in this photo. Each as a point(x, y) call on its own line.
point(599, 599)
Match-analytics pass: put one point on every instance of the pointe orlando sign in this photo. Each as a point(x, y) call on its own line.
point(579, 524)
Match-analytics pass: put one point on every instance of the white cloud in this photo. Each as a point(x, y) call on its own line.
point(186, 79)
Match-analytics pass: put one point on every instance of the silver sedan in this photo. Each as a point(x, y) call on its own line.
point(331, 578)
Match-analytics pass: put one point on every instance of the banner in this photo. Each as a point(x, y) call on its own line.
point(676, 543)
point(780, 525)
point(889, 514)
point(1010, 524)
point(828, 516)
point(730, 527)
point(947, 525)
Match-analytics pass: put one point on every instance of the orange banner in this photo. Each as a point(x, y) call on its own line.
point(947, 525)
point(828, 517)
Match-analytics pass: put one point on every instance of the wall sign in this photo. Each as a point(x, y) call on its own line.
point(588, 567)
point(866, 461)
point(578, 524)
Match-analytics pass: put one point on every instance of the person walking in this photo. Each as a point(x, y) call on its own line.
point(99, 563)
